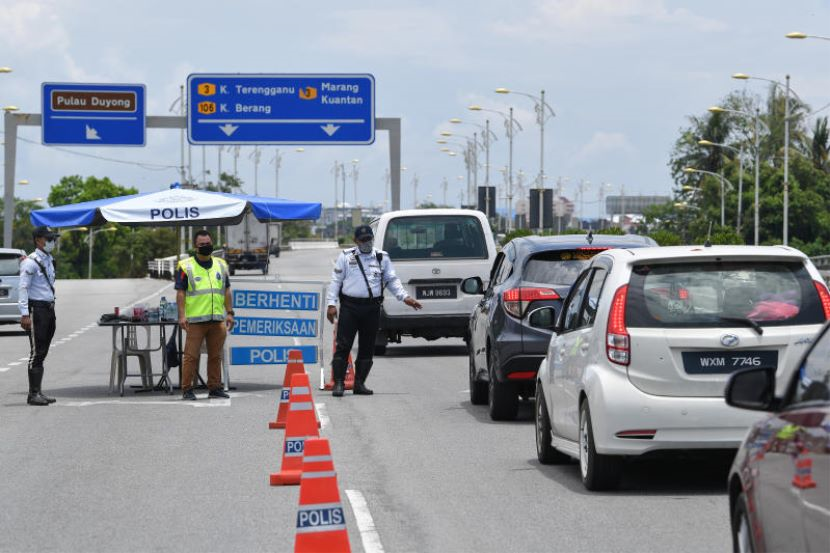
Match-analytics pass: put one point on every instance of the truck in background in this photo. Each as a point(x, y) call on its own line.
point(247, 245)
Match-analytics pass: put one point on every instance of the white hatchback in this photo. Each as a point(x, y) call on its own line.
point(10, 259)
point(433, 251)
point(647, 339)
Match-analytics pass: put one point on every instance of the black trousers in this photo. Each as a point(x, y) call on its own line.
point(40, 338)
point(355, 318)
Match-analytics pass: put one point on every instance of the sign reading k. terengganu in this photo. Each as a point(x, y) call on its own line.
point(272, 318)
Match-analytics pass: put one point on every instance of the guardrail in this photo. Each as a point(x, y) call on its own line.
point(822, 262)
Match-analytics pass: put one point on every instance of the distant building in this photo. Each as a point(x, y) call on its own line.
point(635, 205)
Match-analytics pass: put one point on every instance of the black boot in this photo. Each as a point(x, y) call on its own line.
point(35, 397)
point(362, 369)
point(338, 388)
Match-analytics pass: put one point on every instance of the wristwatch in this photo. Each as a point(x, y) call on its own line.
point(230, 312)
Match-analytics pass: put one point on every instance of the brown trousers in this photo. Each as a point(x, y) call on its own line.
point(214, 334)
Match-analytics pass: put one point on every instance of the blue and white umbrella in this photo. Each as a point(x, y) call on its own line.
point(176, 206)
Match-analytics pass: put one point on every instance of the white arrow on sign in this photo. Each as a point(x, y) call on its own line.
point(91, 133)
point(228, 129)
point(330, 129)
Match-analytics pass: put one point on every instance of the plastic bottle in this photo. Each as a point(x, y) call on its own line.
point(163, 308)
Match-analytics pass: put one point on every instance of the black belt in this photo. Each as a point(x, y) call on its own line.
point(361, 301)
point(41, 303)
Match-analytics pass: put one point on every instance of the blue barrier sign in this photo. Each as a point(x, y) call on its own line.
point(281, 109)
point(265, 299)
point(261, 326)
point(270, 355)
point(77, 114)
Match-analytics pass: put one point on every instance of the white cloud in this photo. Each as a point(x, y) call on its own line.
point(603, 144)
point(600, 20)
point(32, 26)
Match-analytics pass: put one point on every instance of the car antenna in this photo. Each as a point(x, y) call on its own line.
point(590, 237)
point(708, 243)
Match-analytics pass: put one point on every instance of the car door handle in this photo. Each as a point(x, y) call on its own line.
point(583, 347)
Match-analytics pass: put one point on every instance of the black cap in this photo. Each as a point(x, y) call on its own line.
point(44, 232)
point(362, 232)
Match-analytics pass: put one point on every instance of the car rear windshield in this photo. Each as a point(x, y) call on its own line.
point(9, 264)
point(560, 267)
point(722, 294)
point(435, 236)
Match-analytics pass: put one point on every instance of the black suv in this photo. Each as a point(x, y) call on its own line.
point(508, 338)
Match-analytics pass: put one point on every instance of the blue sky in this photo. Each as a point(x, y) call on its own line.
point(622, 75)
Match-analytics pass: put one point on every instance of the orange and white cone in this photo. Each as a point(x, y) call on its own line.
point(294, 366)
point(301, 423)
point(803, 478)
point(349, 367)
point(321, 523)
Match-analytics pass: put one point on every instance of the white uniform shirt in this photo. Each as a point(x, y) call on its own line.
point(347, 279)
point(33, 283)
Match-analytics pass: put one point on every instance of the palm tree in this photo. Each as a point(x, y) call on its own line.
point(820, 145)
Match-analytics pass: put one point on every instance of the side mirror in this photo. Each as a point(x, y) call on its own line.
point(544, 317)
point(472, 285)
point(752, 389)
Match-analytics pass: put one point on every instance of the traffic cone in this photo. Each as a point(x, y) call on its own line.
point(294, 366)
point(301, 423)
point(349, 367)
point(321, 524)
point(803, 478)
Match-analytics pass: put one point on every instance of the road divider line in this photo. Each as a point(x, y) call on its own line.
point(23, 359)
point(14, 363)
point(4, 369)
point(365, 523)
point(322, 415)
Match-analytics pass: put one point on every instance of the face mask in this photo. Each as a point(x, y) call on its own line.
point(205, 249)
point(49, 246)
point(366, 247)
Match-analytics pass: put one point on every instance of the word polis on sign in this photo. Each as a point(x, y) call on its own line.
point(168, 213)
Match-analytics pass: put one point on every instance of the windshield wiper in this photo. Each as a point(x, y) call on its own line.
point(746, 322)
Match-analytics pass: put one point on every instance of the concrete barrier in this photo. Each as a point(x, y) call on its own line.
point(311, 244)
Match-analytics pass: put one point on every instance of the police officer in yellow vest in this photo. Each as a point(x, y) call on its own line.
point(203, 294)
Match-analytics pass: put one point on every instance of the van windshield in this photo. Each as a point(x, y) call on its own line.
point(716, 294)
point(9, 264)
point(435, 236)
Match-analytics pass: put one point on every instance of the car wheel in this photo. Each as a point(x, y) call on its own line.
point(503, 398)
point(478, 389)
point(599, 472)
point(741, 530)
point(545, 452)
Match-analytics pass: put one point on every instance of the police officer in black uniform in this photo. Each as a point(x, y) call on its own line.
point(36, 301)
point(358, 280)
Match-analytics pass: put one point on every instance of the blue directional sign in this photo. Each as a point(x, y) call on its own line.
point(281, 109)
point(78, 114)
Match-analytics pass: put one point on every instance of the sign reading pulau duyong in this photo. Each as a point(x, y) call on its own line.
point(281, 109)
point(272, 318)
point(79, 114)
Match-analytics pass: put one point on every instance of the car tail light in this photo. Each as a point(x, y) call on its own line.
point(824, 296)
point(516, 300)
point(521, 375)
point(617, 343)
point(636, 434)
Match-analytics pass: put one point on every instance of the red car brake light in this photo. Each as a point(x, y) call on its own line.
point(617, 343)
point(517, 300)
point(824, 296)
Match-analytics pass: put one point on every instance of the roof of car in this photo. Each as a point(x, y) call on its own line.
point(691, 252)
point(572, 241)
point(12, 250)
point(428, 212)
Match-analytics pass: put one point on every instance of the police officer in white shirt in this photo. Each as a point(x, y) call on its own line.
point(359, 277)
point(36, 301)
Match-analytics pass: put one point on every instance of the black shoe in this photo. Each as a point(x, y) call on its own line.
point(360, 389)
point(338, 389)
point(47, 398)
point(189, 396)
point(218, 392)
point(37, 399)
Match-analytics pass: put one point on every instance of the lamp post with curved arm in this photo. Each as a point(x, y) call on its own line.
point(723, 182)
point(740, 152)
point(510, 126)
point(757, 146)
point(798, 35)
point(487, 135)
point(543, 113)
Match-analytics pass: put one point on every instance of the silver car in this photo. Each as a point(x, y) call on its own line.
point(9, 278)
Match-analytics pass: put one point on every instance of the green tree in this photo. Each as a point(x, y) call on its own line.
point(75, 189)
point(21, 225)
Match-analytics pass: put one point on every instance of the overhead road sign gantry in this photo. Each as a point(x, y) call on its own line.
point(281, 109)
point(82, 114)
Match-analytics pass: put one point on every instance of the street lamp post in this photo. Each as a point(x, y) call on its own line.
point(797, 35)
point(91, 240)
point(740, 152)
point(487, 135)
point(543, 113)
point(723, 182)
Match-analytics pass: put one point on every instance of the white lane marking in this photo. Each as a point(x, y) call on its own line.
point(14, 363)
point(467, 391)
point(322, 414)
point(154, 294)
point(4, 369)
point(365, 523)
point(174, 401)
point(23, 359)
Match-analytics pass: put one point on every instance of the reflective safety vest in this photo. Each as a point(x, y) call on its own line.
point(205, 294)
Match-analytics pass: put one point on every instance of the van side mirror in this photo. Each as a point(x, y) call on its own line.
point(752, 389)
point(472, 285)
point(544, 317)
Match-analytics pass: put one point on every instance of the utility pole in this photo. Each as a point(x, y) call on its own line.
point(510, 174)
point(387, 182)
point(277, 161)
point(355, 173)
point(444, 185)
point(787, 164)
point(415, 189)
point(255, 155)
point(336, 211)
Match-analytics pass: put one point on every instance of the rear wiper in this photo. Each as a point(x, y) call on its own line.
point(746, 322)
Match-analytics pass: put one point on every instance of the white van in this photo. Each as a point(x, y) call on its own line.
point(433, 250)
point(9, 279)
